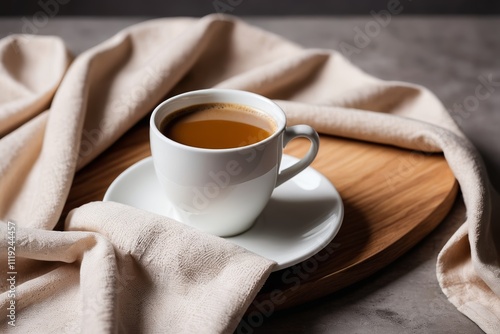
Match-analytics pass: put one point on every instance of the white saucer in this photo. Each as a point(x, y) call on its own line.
point(303, 215)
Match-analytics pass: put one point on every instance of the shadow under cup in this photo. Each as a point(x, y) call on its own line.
point(219, 191)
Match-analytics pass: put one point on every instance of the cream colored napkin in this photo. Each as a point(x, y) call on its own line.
point(119, 269)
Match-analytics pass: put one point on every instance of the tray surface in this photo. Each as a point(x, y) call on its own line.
point(392, 199)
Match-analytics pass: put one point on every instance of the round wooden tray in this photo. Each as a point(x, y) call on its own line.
point(392, 198)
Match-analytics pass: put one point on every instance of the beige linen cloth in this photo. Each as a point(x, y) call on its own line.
point(119, 269)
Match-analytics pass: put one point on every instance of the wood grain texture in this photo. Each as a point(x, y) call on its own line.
point(392, 198)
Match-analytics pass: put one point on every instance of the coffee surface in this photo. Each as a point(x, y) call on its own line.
point(217, 126)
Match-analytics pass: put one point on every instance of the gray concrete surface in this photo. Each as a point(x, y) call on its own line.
point(243, 7)
point(451, 56)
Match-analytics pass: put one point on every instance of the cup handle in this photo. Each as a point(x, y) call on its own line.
point(290, 133)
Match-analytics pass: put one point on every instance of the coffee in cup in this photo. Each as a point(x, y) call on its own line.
point(218, 125)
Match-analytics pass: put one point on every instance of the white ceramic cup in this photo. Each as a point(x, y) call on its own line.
point(222, 191)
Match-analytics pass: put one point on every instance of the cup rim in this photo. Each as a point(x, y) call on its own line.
point(280, 123)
